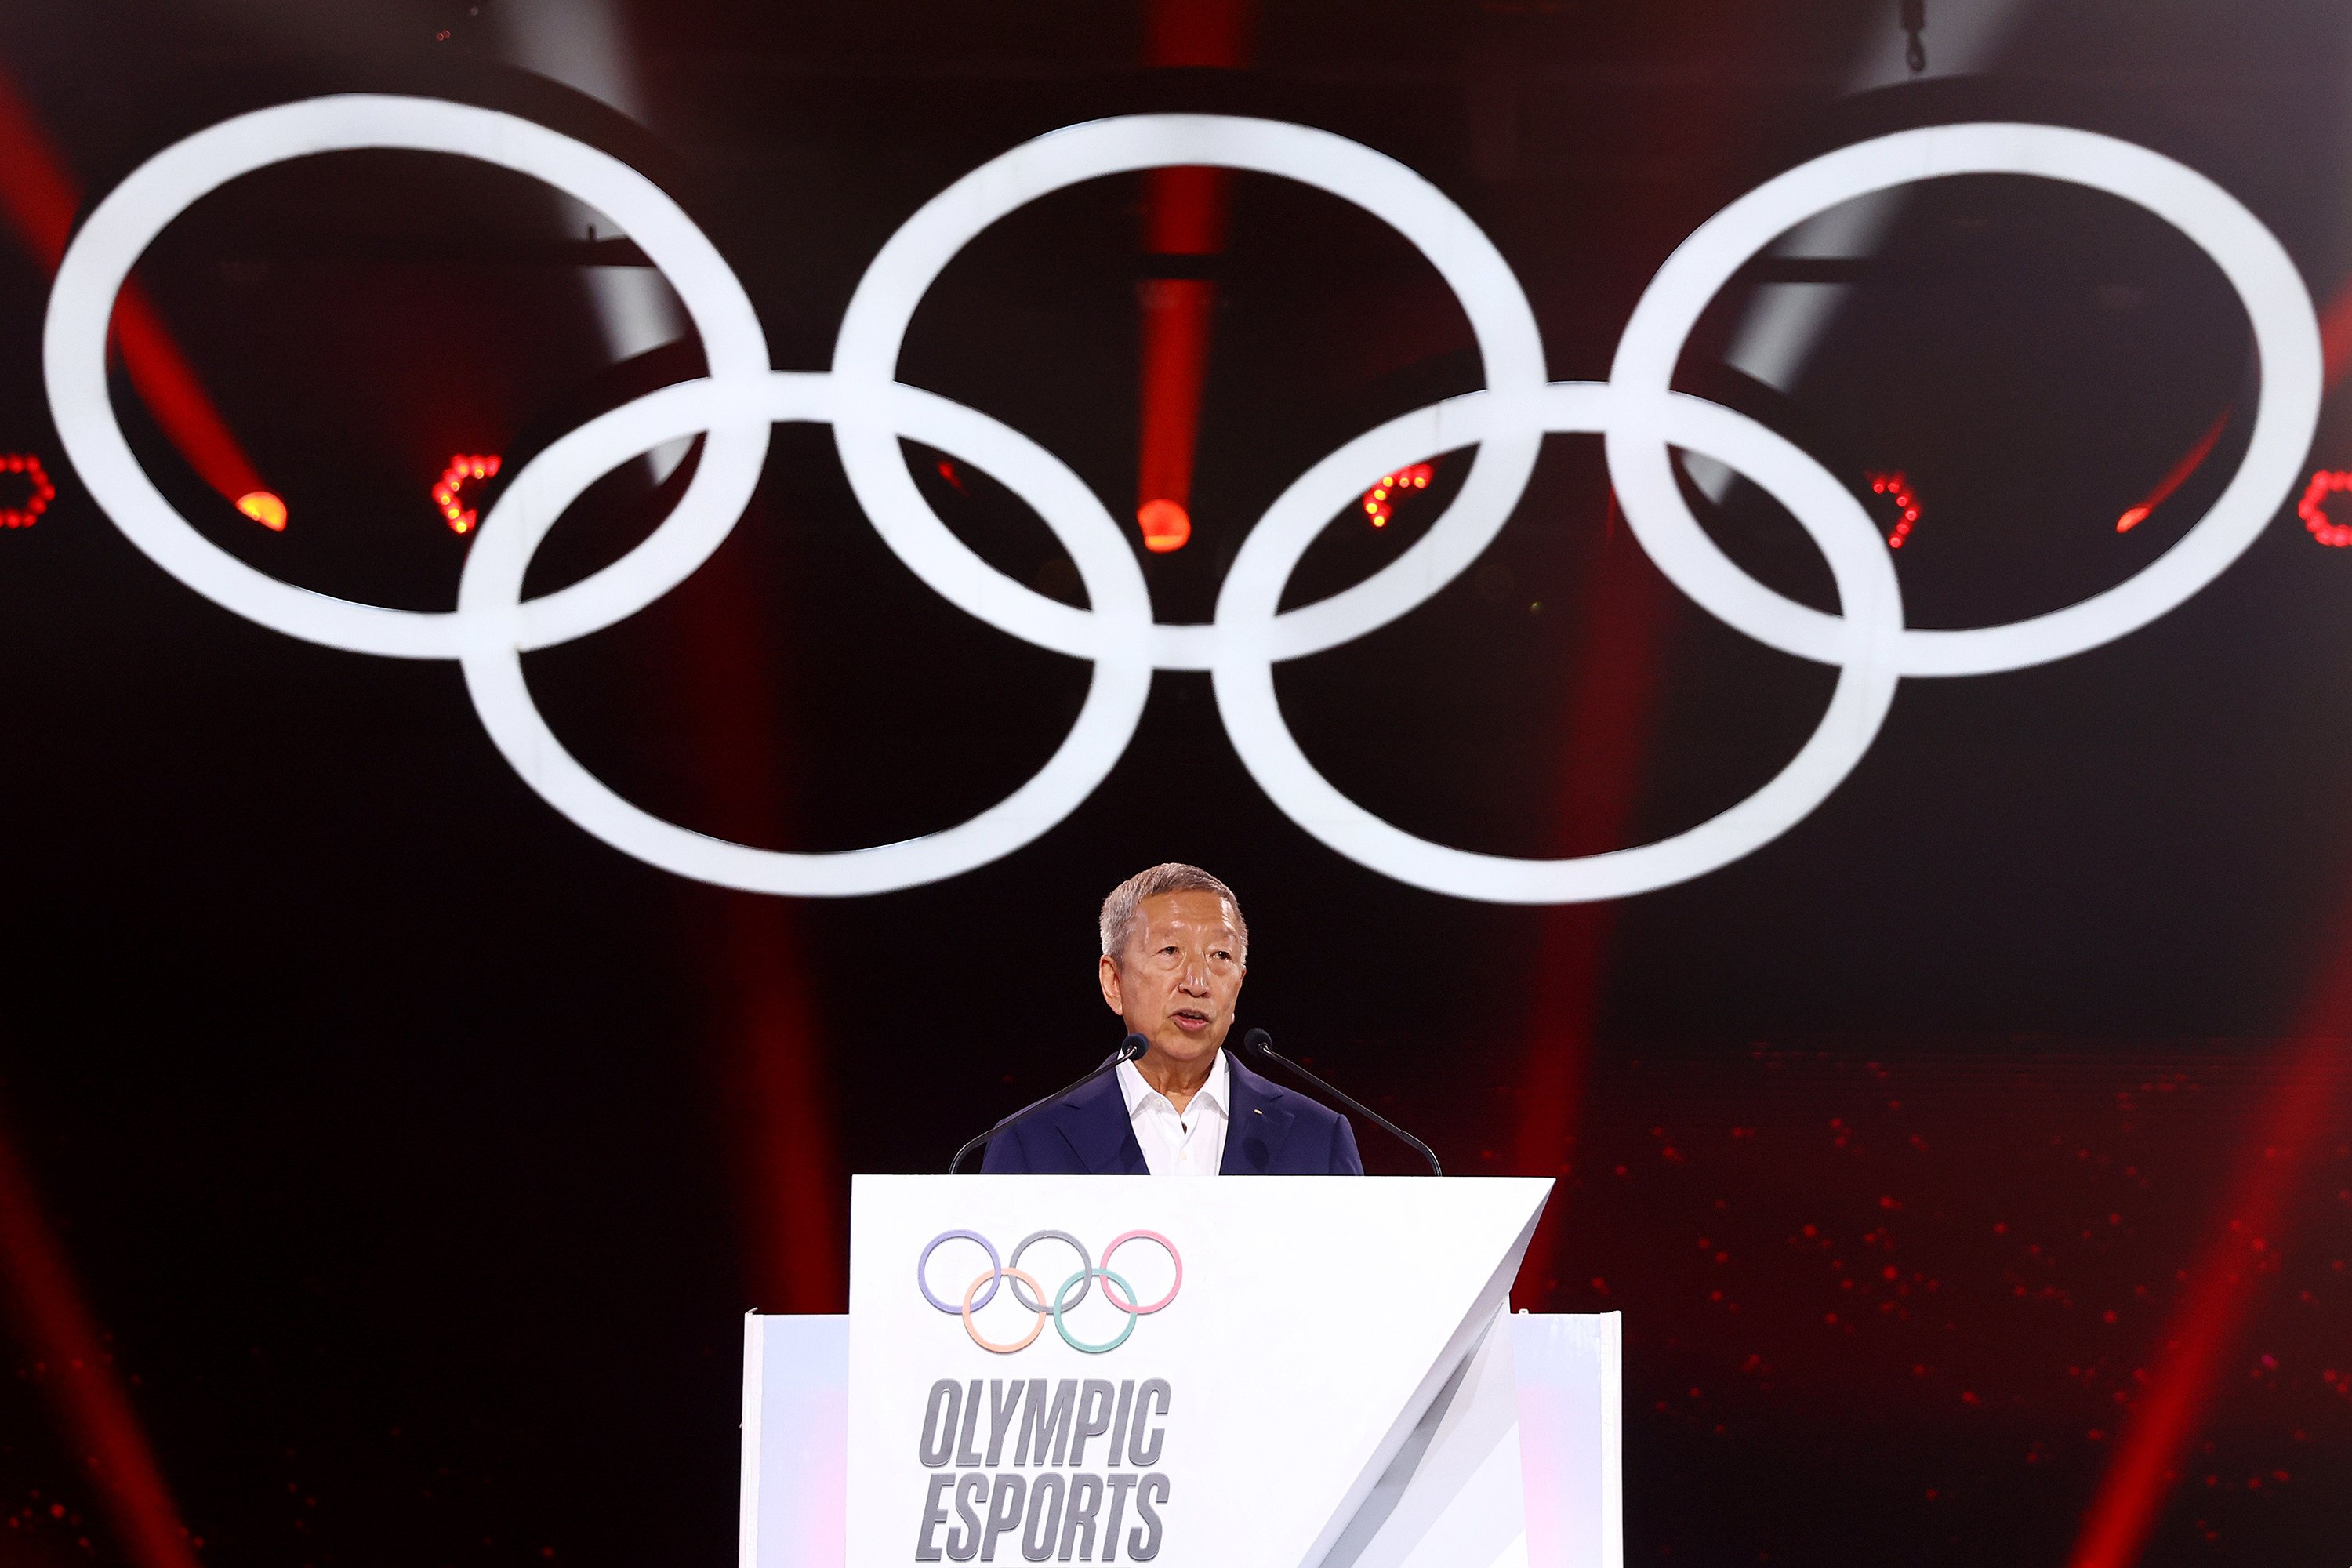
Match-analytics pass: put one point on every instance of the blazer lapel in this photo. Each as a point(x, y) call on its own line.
point(1260, 1121)
point(1094, 1122)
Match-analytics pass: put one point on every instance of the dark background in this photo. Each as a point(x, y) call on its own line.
point(416, 1153)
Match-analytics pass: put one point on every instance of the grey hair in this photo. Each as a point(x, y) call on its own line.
point(1169, 877)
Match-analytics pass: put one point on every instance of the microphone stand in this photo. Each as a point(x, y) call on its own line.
point(1128, 1049)
point(1260, 1043)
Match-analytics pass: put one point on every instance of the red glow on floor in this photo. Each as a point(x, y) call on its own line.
point(2167, 1417)
point(38, 491)
point(1896, 489)
point(1165, 526)
point(2313, 507)
point(264, 508)
point(92, 1407)
point(1611, 716)
point(2179, 474)
point(765, 1023)
point(462, 467)
point(1379, 501)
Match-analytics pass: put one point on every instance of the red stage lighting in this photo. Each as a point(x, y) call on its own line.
point(264, 508)
point(1896, 488)
point(2313, 507)
point(38, 491)
point(2173, 481)
point(1379, 501)
point(463, 467)
point(1165, 526)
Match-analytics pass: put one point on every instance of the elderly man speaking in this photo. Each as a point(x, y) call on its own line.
point(1175, 951)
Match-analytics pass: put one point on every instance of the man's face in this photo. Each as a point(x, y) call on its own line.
point(1176, 982)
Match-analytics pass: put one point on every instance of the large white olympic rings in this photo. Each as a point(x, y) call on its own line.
point(1638, 414)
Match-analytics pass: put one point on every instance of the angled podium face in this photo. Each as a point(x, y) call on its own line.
point(1304, 1373)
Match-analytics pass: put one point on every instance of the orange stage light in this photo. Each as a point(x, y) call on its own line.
point(463, 467)
point(1165, 526)
point(264, 508)
point(1376, 503)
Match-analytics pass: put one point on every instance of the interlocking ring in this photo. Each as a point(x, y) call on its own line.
point(1035, 1328)
point(1635, 411)
point(1084, 1279)
point(1086, 1265)
point(1129, 1305)
point(982, 1289)
point(923, 1264)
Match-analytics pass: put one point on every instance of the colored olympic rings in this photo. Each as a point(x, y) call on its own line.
point(1085, 1281)
point(1129, 1305)
point(1635, 411)
point(982, 1289)
point(1022, 1343)
point(1086, 1263)
point(995, 1268)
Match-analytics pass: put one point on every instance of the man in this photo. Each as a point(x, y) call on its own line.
point(1175, 951)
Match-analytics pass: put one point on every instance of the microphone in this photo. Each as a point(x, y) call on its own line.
point(1260, 1043)
point(1128, 1049)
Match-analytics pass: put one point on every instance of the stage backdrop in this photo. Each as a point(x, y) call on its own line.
point(1753, 600)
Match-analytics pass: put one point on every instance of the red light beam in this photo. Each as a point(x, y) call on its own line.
point(53, 1325)
point(1184, 215)
point(2298, 1114)
point(39, 197)
point(2179, 476)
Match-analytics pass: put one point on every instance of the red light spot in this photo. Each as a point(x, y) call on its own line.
point(1165, 526)
point(264, 508)
point(2180, 472)
point(2313, 507)
point(1906, 503)
point(462, 467)
point(38, 491)
point(1377, 505)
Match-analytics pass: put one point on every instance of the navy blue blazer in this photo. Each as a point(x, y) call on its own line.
point(1270, 1131)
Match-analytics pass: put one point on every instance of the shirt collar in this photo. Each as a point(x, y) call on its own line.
point(1217, 1091)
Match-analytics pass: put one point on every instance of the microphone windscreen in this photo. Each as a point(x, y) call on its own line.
point(1258, 1040)
point(1133, 1046)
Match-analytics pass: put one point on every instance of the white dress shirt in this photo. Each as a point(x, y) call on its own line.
point(1191, 1144)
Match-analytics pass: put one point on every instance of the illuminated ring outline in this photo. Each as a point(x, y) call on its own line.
point(990, 1281)
point(493, 624)
point(2269, 287)
point(1869, 633)
point(491, 654)
point(1085, 1278)
point(1128, 1306)
point(923, 1283)
point(874, 327)
point(1085, 1260)
point(121, 227)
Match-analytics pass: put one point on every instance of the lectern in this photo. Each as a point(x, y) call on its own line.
point(1304, 1373)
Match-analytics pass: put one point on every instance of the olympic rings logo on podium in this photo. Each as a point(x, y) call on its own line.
point(1000, 1271)
point(1635, 411)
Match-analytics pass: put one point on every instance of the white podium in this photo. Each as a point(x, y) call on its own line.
point(1295, 1372)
